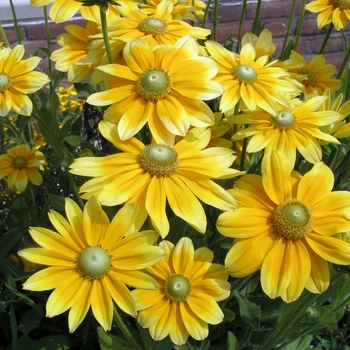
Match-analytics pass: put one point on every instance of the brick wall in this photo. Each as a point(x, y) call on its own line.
point(274, 14)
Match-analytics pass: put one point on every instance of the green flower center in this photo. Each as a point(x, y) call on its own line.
point(311, 77)
point(182, 2)
point(94, 262)
point(154, 84)
point(245, 73)
point(293, 219)
point(153, 26)
point(177, 288)
point(5, 82)
point(342, 4)
point(159, 160)
point(19, 162)
point(284, 120)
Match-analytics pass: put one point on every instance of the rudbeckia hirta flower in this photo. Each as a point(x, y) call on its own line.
point(91, 260)
point(254, 80)
point(157, 29)
point(17, 80)
point(21, 164)
point(318, 74)
point(335, 11)
point(189, 287)
point(163, 86)
point(156, 174)
point(296, 128)
point(284, 226)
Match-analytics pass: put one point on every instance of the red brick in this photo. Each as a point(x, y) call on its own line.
point(227, 12)
point(271, 9)
point(11, 35)
point(333, 44)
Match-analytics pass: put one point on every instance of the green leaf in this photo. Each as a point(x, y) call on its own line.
point(57, 202)
point(250, 312)
point(52, 342)
point(232, 342)
point(30, 320)
point(19, 214)
point(111, 342)
point(74, 139)
point(301, 343)
point(8, 240)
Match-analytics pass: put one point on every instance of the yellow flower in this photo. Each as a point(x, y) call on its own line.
point(20, 164)
point(263, 44)
point(163, 86)
point(17, 80)
point(296, 128)
point(284, 226)
point(189, 287)
point(258, 83)
point(339, 129)
point(63, 10)
point(183, 9)
point(155, 174)
point(91, 260)
point(157, 29)
point(335, 11)
point(317, 73)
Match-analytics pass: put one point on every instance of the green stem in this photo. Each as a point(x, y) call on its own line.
point(118, 320)
point(103, 10)
point(345, 62)
point(244, 150)
point(18, 137)
point(4, 36)
point(289, 27)
point(48, 43)
point(256, 18)
point(15, 23)
point(300, 24)
point(331, 26)
point(241, 20)
point(206, 13)
point(75, 190)
point(215, 24)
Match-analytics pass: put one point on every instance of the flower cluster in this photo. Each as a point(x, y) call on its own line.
point(236, 155)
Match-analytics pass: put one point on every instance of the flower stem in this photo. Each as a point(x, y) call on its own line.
point(241, 20)
point(118, 320)
point(255, 27)
point(215, 24)
point(48, 43)
point(206, 13)
point(345, 62)
point(300, 24)
point(15, 23)
point(331, 26)
point(4, 36)
point(103, 10)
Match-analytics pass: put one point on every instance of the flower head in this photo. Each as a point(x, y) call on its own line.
point(17, 80)
point(296, 128)
point(335, 11)
point(258, 83)
point(189, 287)
point(91, 260)
point(157, 29)
point(155, 174)
point(316, 75)
point(284, 226)
point(20, 165)
point(163, 86)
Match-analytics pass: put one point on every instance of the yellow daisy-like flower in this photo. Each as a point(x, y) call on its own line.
point(296, 128)
point(284, 226)
point(63, 10)
point(335, 11)
point(318, 74)
point(263, 44)
point(254, 80)
point(189, 287)
point(91, 260)
point(75, 45)
point(156, 174)
point(157, 29)
point(17, 80)
point(339, 129)
point(20, 165)
point(163, 86)
point(183, 9)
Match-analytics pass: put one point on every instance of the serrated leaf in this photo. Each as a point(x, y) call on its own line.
point(250, 312)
